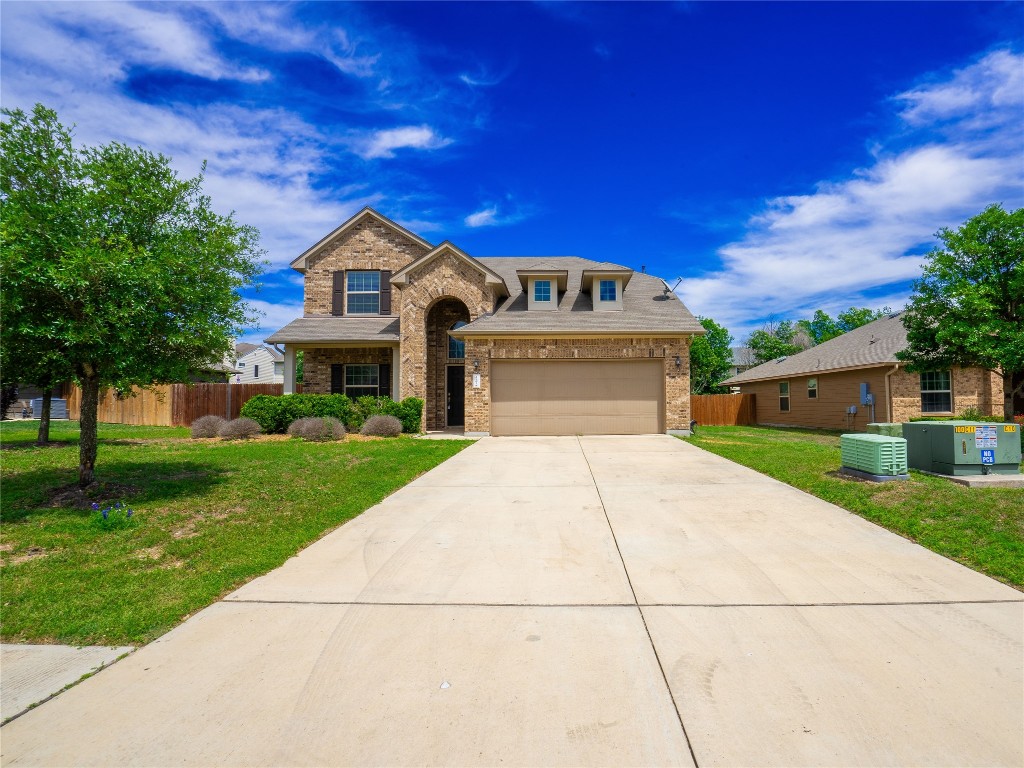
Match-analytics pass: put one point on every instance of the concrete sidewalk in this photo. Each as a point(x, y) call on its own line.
point(573, 601)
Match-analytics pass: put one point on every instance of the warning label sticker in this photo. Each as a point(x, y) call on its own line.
point(985, 437)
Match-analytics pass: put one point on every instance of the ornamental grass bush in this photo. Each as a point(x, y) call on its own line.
point(275, 413)
point(207, 426)
point(317, 429)
point(239, 429)
point(382, 426)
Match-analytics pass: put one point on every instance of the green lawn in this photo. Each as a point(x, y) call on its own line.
point(982, 528)
point(208, 516)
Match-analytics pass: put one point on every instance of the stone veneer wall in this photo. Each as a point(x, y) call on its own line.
point(677, 380)
point(316, 366)
point(368, 245)
point(972, 388)
point(440, 318)
point(443, 277)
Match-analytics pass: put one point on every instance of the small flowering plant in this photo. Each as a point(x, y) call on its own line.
point(113, 516)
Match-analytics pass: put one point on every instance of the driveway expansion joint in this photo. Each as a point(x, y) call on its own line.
point(643, 619)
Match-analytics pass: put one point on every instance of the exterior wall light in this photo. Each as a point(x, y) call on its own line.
point(679, 362)
point(476, 365)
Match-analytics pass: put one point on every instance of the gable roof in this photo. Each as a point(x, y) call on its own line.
point(325, 330)
point(243, 348)
point(648, 306)
point(299, 264)
point(491, 278)
point(870, 345)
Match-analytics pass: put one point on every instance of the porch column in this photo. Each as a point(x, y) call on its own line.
point(396, 374)
point(289, 369)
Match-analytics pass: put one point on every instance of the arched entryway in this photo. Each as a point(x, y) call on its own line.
point(446, 365)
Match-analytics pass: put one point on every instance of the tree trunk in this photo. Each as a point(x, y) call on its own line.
point(44, 418)
point(87, 426)
point(1008, 393)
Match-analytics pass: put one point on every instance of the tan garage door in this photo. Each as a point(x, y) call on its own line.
point(577, 397)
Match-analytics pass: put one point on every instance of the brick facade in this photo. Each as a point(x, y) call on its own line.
point(972, 388)
point(440, 319)
point(368, 245)
point(482, 351)
point(316, 366)
point(446, 279)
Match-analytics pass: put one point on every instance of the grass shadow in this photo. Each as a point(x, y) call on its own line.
point(40, 491)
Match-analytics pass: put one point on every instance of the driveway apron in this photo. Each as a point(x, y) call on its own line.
point(573, 601)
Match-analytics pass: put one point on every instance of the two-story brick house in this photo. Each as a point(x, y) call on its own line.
point(493, 345)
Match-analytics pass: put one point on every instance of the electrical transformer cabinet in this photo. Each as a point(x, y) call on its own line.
point(963, 447)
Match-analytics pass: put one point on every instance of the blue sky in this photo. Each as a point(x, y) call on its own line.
point(777, 157)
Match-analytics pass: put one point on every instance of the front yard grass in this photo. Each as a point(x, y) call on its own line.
point(208, 516)
point(983, 528)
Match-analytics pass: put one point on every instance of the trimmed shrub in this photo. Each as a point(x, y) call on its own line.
point(409, 411)
point(207, 426)
point(382, 426)
point(317, 429)
point(275, 412)
point(239, 429)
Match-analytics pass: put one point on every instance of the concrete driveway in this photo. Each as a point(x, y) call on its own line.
point(570, 602)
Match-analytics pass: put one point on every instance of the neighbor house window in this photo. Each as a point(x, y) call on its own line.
point(812, 389)
point(607, 290)
point(241, 365)
point(363, 291)
point(456, 347)
point(936, 392)
point(542, 290)
point(255, 371)
point(783, 396)
point(362, 380)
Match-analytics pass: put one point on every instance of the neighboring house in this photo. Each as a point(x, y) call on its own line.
point(497, 345)
point(819, 386)
point(258, 365)
point(742, 360)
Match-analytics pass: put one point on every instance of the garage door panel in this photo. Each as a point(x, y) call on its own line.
point(568, 397)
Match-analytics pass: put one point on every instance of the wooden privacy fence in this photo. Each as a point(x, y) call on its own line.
point(722, 410)
point(172, 405)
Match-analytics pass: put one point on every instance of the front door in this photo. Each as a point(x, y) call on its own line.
point(456, 395)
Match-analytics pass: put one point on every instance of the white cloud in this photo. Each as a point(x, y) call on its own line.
point(274, 316)
point(859, 240)
point(383, 143)
point(484, 218)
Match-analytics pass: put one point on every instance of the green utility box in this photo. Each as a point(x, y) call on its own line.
point(876, 455)
point(963, 447)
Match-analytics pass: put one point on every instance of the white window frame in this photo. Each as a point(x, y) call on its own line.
point(600, 290)
point(947, 391)
point(350, 293)
point(812, 388)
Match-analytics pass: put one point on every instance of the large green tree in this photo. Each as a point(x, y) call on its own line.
point(774, 340)
point(710, 358)
point(968, 307)
point(113, 264)
point(823, 327)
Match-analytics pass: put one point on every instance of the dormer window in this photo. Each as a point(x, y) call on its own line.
point(542, 284)
point(606, 285)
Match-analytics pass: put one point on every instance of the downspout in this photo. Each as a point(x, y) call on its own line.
point(888, 394)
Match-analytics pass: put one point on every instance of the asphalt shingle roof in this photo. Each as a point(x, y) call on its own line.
point(648, 306)
point(873, 344)
point(325, 329)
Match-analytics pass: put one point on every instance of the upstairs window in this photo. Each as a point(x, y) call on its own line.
point(255, 371)
point(542, 290)
point(936, 392)
point(784, 396)
point(456, 347)
point(812, 389)
point(607, 290)
point(363, 293)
